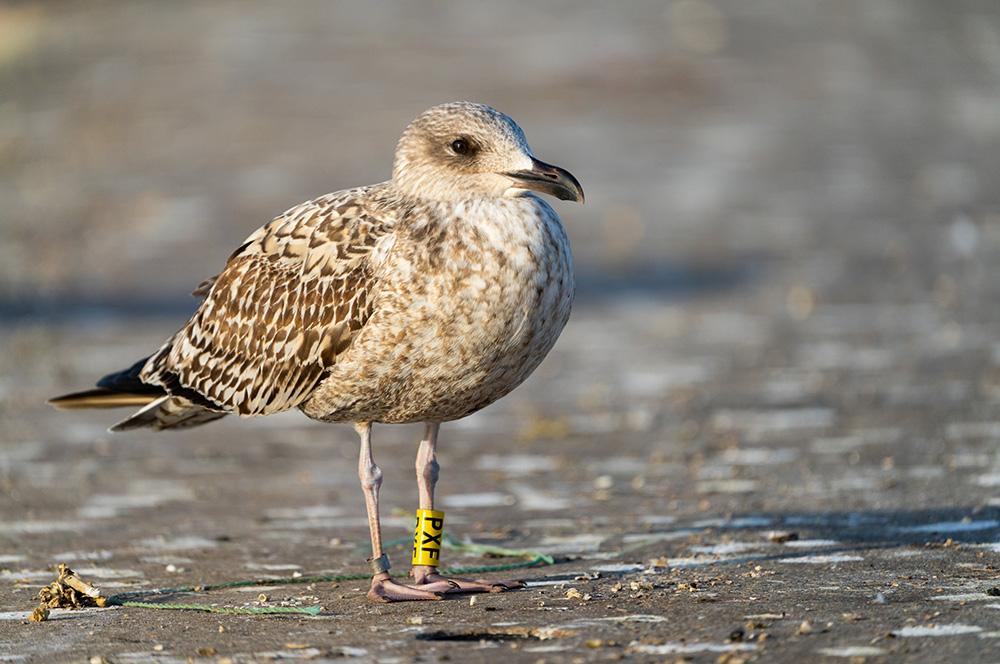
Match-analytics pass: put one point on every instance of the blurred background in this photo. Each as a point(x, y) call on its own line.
point(141, 141)
point(787, 303)
point(790, 204)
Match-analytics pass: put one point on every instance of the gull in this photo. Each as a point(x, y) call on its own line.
point(420, 299)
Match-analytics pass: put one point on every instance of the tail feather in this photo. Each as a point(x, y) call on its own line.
point(158, 409)
point(167, 413)
point(100, 398)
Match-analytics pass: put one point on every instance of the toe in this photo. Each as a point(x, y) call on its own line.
point(388, 590)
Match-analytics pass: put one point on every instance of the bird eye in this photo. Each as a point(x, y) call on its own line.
point(460, 146)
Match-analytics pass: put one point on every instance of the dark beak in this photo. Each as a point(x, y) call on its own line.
point(548, 179)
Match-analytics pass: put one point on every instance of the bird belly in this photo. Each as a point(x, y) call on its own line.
point(464, 334)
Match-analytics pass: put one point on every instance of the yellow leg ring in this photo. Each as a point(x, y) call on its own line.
point(427, 538)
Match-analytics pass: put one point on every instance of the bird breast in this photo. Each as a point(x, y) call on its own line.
point(472, 297)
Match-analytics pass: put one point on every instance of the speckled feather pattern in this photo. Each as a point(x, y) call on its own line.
point(424, 298)
point(472, 296)
point(291, 299)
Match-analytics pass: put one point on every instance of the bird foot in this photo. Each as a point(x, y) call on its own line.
point(386, 589)
point(427, 576)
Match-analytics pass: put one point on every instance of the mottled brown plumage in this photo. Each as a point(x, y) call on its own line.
point(288, 304)
point(420, 299)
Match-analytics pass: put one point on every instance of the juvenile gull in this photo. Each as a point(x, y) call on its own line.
point(419, 299)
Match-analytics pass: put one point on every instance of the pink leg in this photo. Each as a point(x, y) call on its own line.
point(384, 588)
point(427, 576)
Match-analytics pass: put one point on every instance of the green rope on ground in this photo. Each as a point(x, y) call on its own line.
point(450, 542)
point(130, 599)
point(471, 547)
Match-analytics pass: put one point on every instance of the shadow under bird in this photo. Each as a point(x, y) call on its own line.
point(421, 299)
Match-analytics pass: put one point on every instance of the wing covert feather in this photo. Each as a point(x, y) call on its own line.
point(290, 300)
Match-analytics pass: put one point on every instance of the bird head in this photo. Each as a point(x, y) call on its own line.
point(461, 151)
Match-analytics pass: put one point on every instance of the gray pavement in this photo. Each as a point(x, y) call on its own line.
point(768, 434)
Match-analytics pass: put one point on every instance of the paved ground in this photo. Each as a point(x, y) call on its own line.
point(769, 433)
